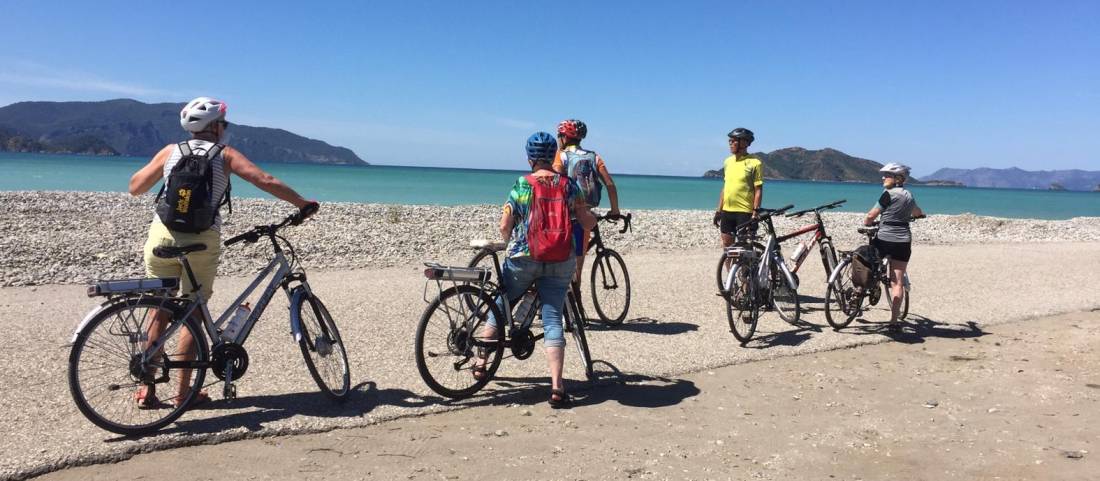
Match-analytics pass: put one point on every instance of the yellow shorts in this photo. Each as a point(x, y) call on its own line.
point(203, 263)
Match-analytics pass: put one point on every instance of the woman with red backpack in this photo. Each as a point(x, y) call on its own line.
point(536, 226)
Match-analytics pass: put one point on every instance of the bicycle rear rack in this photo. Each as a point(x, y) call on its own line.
point(454, 276)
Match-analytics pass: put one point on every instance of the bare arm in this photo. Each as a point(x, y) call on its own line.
point(146, 177)
point(612, 192)
point(757, 196)
point(584, 216)
point(872, 215)
point(245, 169)
point(507, 223)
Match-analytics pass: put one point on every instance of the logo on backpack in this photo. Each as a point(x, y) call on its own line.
point(581, 166)
point(549, 227)
point(185, 202)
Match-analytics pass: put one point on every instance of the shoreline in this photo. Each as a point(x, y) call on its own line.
point(50, 237)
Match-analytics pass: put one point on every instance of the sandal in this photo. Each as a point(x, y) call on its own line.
point(559, 399)
point(479, 372)
point(201, 398)
point(146, 397)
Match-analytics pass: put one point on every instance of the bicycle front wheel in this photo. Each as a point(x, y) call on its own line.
point(784, 297)
point(843, 300)
point(742, 302)
point(323, 349)
point(448, 346)
point(112, 382)
point(572, 319)
point(610, 287)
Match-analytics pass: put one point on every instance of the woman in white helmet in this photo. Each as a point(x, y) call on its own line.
point(204, 119)
point(897, 207)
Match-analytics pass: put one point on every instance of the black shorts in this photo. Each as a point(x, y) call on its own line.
point(898, 251)
point(730, 221)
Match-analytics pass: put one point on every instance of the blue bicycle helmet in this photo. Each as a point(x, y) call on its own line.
point(541, 147)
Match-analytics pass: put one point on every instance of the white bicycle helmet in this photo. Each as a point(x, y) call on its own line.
point(895, 168)
point(198, 114)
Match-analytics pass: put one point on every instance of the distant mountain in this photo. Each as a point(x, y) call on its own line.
point(129, 127)
point(1014, 178)
point(826, 164)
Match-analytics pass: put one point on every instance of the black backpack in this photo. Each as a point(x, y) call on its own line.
point(185, 202)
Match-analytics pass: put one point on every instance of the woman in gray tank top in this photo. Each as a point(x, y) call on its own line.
point(204, 118)
point(896, 207)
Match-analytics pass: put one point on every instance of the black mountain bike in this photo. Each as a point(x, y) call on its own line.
point(143, 337)
point(844, 299)
point(448, 346)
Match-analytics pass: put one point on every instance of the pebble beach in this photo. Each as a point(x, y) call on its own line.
point(77, 237)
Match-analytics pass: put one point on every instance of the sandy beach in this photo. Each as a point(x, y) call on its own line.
point(974, 278)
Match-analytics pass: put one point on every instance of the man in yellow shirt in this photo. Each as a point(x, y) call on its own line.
point(743, 187)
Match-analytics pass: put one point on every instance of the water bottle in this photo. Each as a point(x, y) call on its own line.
point(525, 311)
point(236, 323)
point(800, 253)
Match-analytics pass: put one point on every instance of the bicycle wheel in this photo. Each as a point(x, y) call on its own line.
point(828, 257)
point(323, 349)
point(783, 296)
point(843, 300)
point(572, 319)
point(106, 372)
point(610, 287)
point(904, 304)
point(446, 349)
point(743, 303)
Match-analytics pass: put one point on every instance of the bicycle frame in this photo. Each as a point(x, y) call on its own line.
point(818, 228)
point(770, 256)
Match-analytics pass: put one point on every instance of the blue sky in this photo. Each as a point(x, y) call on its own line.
point(461, 84)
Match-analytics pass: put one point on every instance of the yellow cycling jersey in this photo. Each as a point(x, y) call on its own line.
point(742, 177)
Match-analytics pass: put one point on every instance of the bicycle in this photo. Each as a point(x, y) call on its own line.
point(608, 276)
point(820, 237)
point(115, 352)
point(447, 343)
point(757, 279)
point(844, 299)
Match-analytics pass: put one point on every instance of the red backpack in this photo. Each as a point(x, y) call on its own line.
point(549, 227)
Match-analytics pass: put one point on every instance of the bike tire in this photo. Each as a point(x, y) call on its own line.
point(828, 257)
point(104, 333)
point(743, 303)
point(322, 345)
point(610, 290)
point(904, 304)
point(447, 367)
point(573, 319)
point(784, 297)
point(843, 300)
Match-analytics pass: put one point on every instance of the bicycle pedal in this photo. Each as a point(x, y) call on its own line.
point(229, 392)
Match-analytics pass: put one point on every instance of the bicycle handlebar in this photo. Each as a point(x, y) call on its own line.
point(615, 218)
point(873, 228)
point(831, 205)
point(253, 235)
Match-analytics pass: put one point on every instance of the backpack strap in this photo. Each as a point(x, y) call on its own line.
point(212, 154)
point(185, 148)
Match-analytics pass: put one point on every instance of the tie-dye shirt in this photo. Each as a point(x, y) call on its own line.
point(519, 204)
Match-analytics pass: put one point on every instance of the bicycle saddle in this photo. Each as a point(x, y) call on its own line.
point(166, 252)
point(486, 244)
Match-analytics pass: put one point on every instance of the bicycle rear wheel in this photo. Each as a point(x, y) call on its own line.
point(742, 302)
point(610, 287)
point(323, 349)
point(843, 300)
point(446, 347)
point(110, 383)
point(573, 320)
point(726, 262)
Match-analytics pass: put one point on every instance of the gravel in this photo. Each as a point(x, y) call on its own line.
point(76, 237)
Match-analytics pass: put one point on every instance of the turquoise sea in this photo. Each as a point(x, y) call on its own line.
point(442, 186)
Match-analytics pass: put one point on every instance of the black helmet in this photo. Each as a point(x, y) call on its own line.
point(741, 133)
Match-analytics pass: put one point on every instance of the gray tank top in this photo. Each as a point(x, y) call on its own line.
point(221, 174)
point(897, 207)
